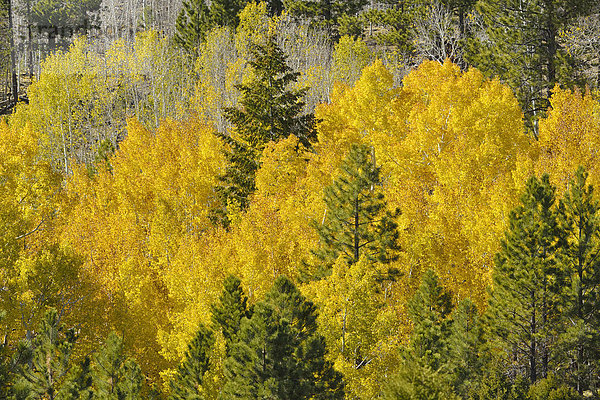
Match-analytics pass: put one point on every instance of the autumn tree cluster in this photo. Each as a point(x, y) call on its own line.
point(262, 206)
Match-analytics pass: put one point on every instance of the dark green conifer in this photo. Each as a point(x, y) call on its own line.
point(467, 353)
point(356, 222)
point(225, 12)
point(192, 24)
point(188, 382)
point(429, 311)
point(524, 305)
point(115, 375)
point(268, 111)
point(324, 12)
point(580, 218)
point(552, 388)
point(522, 47)
point(279, 354)
point(424, 371)
point(45, 368)
point(79, 383)
point(228, 313)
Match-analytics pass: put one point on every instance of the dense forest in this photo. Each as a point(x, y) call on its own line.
point(296, 199)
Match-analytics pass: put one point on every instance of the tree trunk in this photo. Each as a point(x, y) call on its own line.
point(14, 81)
point(356, 226)
point(533, 345)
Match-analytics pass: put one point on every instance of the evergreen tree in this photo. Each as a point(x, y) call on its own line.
point(192, 24)
point(415, 381)
point(227, 315)
point(79, 384)
point(188, 382)
point(116, 376)
point(423, 373)
point(429, 311)
point(44, 371)
point(524, 305)
point(356, 223)
point(225, 12)
point(279, 354)
point(523, 47)
point(580, 218)
point(467, 353)
point(324, 12)
point(552, 389)
point(274, 7)
point(496, 385)
point(267, 112)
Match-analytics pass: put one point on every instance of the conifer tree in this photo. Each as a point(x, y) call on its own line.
point(79, 383)
point(192, 24)
point(523, 47)
point(424, 372)
point(429, 311)
point(115, 375)
point(524, 306)
point(467, 354)
point(356, 223)
point(279, 354)
point(232, 307)
point(325, 12)
point(580, 218)
point(268, 111)
point(44, 372)
point(225, 12)
point(188, 382)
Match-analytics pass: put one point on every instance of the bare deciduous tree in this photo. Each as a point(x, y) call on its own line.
point(438, 35)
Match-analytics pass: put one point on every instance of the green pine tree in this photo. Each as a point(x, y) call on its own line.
point(552, 388)
point(279, 354)
point(522, 48)
point(580, 218)
point(415, 381)
point(324, 12)
point(467, 352)
point(79, 384)
point(356, 223)
point(226, 12)
point(232, 307)
point(187, 384)
point(524, 305)
point(424, 371)
point(44, 371)
point(116, 376)
point(191, 26)
point(429, 311)
point(497, 385)
point(268, 111)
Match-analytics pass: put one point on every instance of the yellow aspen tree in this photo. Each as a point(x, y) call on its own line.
point(36, 271)
point(569, 137)
point(449, 144)
point(361, 323)
point(131, 217)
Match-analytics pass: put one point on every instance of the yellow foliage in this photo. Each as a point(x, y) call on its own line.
point(569, 137)
point(449, 144)
point(83, 97)
point(130, 222)
point(35, 271)
point(453, 156)
point(350, 57)
point(363, 321)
